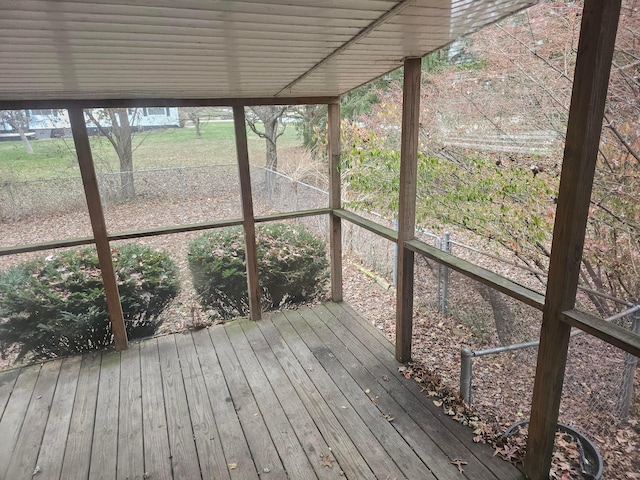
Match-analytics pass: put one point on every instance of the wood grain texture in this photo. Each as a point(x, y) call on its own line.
point(235, 447)
point(593, 65)
point(98, 225)
point(347, 413)
point(157, 455)
point(130, 432)
point(354, 381)
point(284, 437)
point(344, 450)
point(184, 457)
point(25, 452)
point(13, 417)
point(205, 431)
point(77, 455)
point(407, 206)
point(305, 428)
point(7, 381)
point(452, 439)
point(263, 451)
point(56, 433)
point(335, 201)
point(248, 223)
point(104, 452)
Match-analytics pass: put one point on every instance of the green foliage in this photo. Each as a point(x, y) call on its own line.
point(506, 204)
point(56, 305)
point(292, 267)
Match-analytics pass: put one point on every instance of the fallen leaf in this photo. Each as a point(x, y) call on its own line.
point(459, 463)
point(327, 461)
point(233, 466)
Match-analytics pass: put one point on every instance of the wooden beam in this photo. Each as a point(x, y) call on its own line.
point(370, 225)
point(482, 275)
point(94, 205)
point(609, 332)
point(69, 103)
point(335, 202)
point(593, 65)
point(248, 221)
point(156, 231)
point(407, 206)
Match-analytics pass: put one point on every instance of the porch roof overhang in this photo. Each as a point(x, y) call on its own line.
point(205, 49)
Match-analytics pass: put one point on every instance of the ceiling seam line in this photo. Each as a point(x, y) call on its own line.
point(397, 9)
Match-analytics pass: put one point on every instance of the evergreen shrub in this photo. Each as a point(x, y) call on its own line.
point(55, 305)
point(292, 266)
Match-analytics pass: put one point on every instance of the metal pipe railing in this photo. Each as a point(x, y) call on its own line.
point(467, 355)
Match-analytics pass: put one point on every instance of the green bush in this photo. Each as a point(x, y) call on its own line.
point(292, 266)
point(56, 305)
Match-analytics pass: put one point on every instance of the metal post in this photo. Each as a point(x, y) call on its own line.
point(466, 373)
point(630, 366)
point(445, 284)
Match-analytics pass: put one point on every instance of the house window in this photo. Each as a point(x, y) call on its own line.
point(156, 110)
point(42, 112)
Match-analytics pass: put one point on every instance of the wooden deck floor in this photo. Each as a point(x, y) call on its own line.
point(301, 394)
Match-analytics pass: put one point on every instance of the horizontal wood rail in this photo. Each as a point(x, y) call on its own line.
point(163, 102)
point(482, 275)
point(609, 332)
point(370, 225)
point(288, 215)
point(153, 232)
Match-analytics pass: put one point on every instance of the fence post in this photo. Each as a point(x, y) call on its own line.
point(445, 277)
point(630, 365)
point(466, 373)
point(183, 191)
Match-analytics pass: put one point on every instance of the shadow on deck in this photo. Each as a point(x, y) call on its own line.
point(309, 393)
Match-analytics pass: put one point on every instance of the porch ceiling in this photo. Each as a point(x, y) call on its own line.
point(81, 49)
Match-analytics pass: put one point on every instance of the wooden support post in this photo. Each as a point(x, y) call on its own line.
point(94, 205)
point(335, 202)
point(407, 206)
point(595, 51)
point(248, 220)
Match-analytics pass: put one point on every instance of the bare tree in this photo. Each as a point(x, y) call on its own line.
point(18, 120)
point(116, 126)
point(195, 116)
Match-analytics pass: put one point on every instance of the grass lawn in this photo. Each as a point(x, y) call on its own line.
point(155, 149)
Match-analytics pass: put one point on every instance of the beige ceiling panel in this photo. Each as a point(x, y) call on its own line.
point(78, 49)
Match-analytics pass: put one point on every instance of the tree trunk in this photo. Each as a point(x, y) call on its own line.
point(270, 136)
point(196, 122)
point(121, 130)
point(25, 141)
point(502, 314)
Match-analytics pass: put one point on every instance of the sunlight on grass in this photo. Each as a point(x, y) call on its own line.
point(154, 149)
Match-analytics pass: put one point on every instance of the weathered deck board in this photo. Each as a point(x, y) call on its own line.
point(157, 456)
point(130, 442)
point(104, 452)
point(299, 394)
point(264, 452)
point(205, 430)
point(77, 455)
point(55, 436)
point(25, 452)
point(284, 438)
point(184, 457)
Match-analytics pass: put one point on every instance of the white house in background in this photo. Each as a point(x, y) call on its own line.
point(47, 123)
